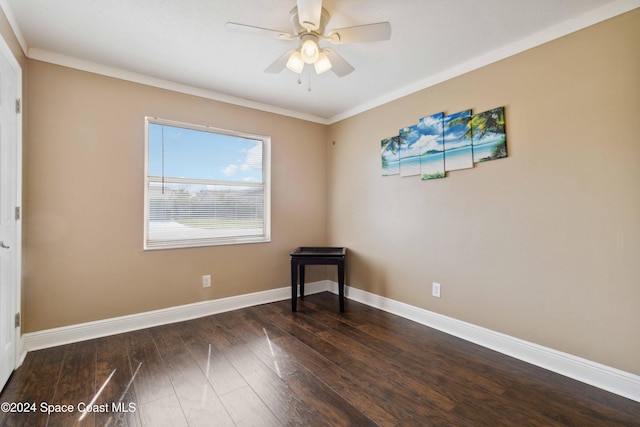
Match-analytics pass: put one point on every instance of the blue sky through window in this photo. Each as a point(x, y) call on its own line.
point(197, 154)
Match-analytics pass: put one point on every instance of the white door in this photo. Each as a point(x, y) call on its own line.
point(10, 155)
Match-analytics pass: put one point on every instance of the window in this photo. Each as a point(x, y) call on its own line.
point(204, 186)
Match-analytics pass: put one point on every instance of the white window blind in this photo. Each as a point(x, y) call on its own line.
point(204, 186)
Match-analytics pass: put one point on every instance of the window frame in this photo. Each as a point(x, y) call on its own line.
point(208, 241)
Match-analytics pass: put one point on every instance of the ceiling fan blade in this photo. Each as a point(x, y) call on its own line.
point(257, 31)
point(309, 12)
point(279, 64)
point(361, 33)
point(338, 64)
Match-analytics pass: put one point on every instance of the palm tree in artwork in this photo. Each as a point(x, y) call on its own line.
point(390, 144)
point(464, 120)
point(488, 122)
point(394, 143)
point(491, 122)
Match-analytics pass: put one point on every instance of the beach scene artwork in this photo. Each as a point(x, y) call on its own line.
point(390, 151)
point(489, 135)
point(409, 151)
point(438, 144)
point(458, 150)
point(422, 150)
point(431, 147)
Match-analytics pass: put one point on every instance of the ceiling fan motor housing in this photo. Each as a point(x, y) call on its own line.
point(310, 27)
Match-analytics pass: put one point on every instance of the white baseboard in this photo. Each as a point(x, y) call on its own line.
point(117, 325)
point(607, 378)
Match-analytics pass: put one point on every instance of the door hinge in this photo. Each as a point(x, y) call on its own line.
point(17, 320)
point(17, 213)
point(18, 106)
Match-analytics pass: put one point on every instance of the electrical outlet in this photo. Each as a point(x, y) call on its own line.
point(435, 289)
point(206, 281)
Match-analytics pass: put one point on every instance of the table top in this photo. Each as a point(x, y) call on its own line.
point(319, 251)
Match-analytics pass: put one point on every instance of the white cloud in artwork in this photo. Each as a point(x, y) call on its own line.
point(427, 143)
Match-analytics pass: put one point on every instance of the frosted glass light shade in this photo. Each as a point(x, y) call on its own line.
point(295, 62)
point(322, 64)
point(309, 51)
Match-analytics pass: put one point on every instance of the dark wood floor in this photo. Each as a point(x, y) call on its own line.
point(265, 366)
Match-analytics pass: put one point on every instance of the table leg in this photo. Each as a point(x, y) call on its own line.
point(341, 284)
point(302, 281)
point(294, 284)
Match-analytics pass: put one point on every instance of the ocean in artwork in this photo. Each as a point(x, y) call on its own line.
point(390, 156)
point(409, 148)
point(459, 158)
point(457, 141)
point(483, 149)
point(438, 144)
point(428, 165)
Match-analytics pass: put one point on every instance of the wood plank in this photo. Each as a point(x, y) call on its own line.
point(336, 410)
point(34, 382)
point(220, 373)
point(162, 412)
point(501, 411)
point(115, 375)
point(247, 409)
point(151, 382)
point(374, 377)
point(264, 365)
point(199, 402)
point(293, 356)
point(288, 407)
point(76, 384)
point(584, 412)
point(168, 341)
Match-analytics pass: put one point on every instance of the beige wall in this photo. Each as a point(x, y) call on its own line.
point(543, 245)
point(83, 194)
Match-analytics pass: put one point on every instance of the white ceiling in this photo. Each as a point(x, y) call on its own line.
point(183, 45)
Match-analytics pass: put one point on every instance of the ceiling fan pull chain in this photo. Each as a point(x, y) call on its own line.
point(309, 76)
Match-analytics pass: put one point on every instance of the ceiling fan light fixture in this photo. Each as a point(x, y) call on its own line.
point(322, 64)
point(309, 51)
point(309, 20)
point(295, 62)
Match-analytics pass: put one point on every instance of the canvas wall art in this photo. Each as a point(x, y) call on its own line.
point(432, 147)
point(457, 141)
point(410, 151)
point(390, 151)
point(438, 144)
point(422, 151)
point(489, 135)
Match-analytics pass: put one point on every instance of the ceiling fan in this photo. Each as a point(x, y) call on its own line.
point(309, 20)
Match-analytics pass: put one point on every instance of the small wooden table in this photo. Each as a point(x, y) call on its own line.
point(307, 255)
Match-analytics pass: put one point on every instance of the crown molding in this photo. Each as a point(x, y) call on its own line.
point(14, 25)
point(603, 13)
point(565, 28)
point(104, 70)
